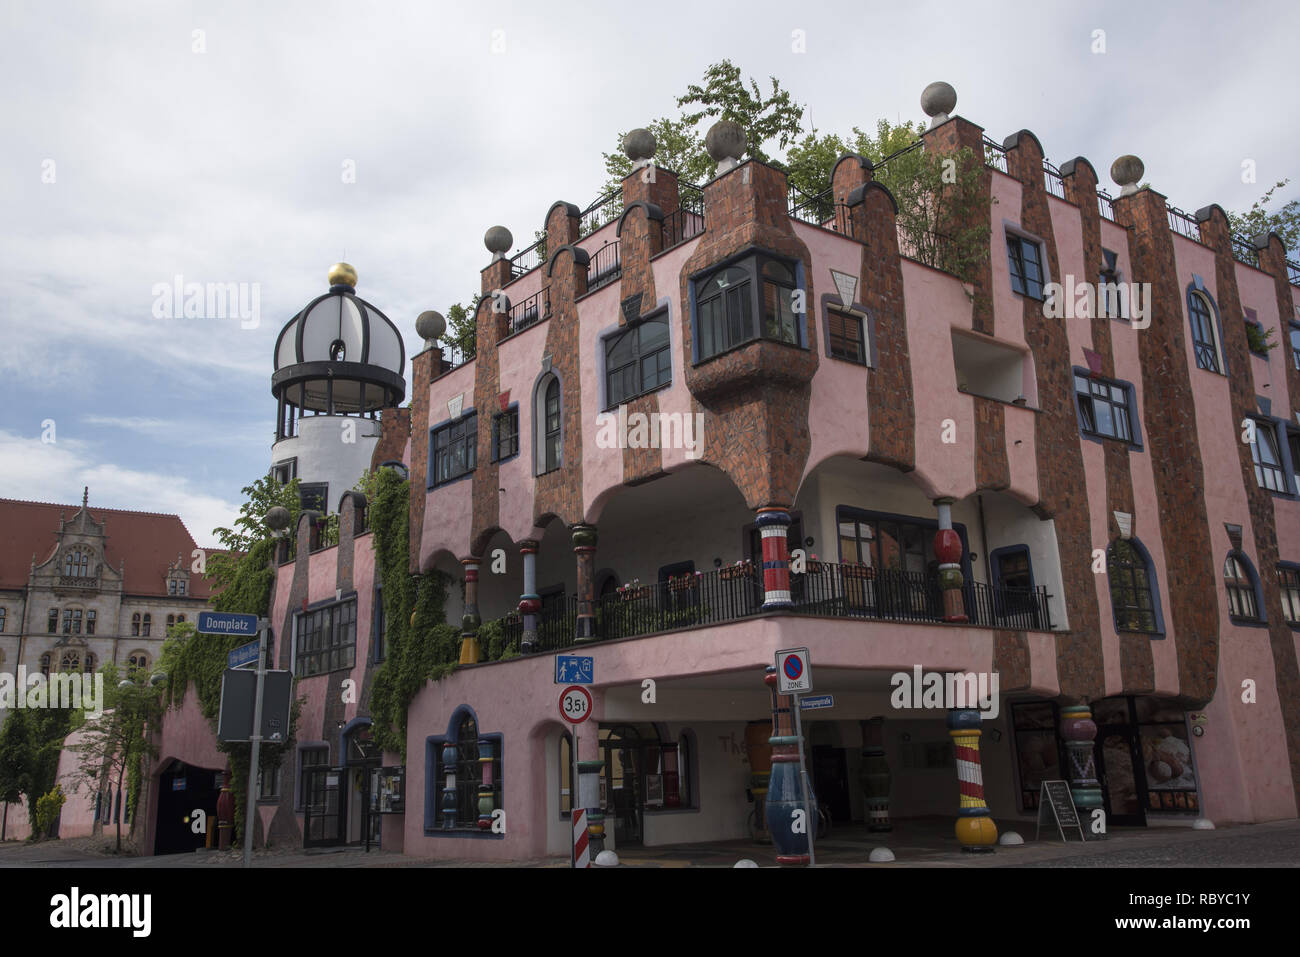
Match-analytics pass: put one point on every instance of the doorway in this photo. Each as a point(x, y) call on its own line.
point(183, 789)
point(1119, 764)
point(362, 758)
point(324, 807)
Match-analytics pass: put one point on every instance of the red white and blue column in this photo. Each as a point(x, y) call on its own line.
point(975, 828)
point(470, 621)
point(773, 523)
point(948, 550)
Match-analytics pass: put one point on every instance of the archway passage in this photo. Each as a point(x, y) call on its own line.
point(182, 790)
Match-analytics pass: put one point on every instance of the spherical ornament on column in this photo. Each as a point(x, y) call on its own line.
point(639, 146)
point(938, 100)
point(947, 546)
point(951, 578)
point(726, 144)
point(1077, 723)
point(977, 831)
point(498, 241)
point(1127, 171)
point(343, 274)
point(430, 326)
point(277, 518)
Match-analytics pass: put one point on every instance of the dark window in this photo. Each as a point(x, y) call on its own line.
point(468, 770)
point(180, 589)
point(327, 639)
point(1288, 582)
point(138, 661)
point(1132, 595)
point(171, 620)
point(637, 360)
point(1203, 339)
point(455, 447)
point(846, 336)
point(551, 445)
point(171, 586)
point(1104, 407)
point(54, 621)
point(505, 435)
point(743, 301)
point(268, 783)
point(1268, 458)
point(3, 614)
point(314, 496)
point(148, 623)
point(1110, 302)
point(90, 622)
point(135, 624)
point(1240, 582)
point(1026, 264)
point(1293, 440)
point(309, 758)
point(76, 564)
point(1295, 346)
point(45, 665)
point(72, 621)
point(285, 472)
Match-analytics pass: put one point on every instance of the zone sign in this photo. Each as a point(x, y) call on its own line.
point(575, 704)
point(793, 673)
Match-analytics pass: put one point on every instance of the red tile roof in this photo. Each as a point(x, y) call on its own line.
point(148, 542)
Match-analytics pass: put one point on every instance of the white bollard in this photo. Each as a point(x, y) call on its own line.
point(607, 859)
point(1010, 839)
point(745, 863)
point(880, 855)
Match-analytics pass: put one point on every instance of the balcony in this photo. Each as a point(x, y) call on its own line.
point(825, 589)
point(84, 582)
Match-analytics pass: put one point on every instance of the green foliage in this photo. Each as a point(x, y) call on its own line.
point(679, 148)
point(725, 96)
point(1285, 221)
point(1261, 340)
point(245, 574)
point(30, 743)
point(462, 331)
point(47, 809)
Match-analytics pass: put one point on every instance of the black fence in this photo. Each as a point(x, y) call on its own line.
point(528, 259)
point(605, 266)
point(529, 312)
point(1106, 205)
point(1053, 181)
point(1183, 224)
point(1244, 251)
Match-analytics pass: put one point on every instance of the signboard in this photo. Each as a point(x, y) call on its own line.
point(574, 669)
point(575, 704)
point(243, 655)
point(1056, 795)
point(821, 701)
point(793, 671)
point(391, 789)
point(235, 719)
point(226, 623)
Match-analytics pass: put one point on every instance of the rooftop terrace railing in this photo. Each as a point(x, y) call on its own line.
point(1183, 224)
point(528, 313)
point(687, 221)
point(910, 147)
point(457, 352)
point(995, 157)
point(1293, 272)
point(1105, 205)
point(1244, 251)
point(602, 212)
point(1053, 181)
point(605, 266)
point(528, 259)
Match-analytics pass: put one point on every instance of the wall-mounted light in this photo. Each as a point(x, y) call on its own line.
point(808, 542)
point(717, 563)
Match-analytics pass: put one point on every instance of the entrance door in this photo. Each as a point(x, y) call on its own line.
point(324, 807)
point(1120, 772)
point(830, 774)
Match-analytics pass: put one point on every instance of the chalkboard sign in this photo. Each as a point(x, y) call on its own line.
point(1056, 796)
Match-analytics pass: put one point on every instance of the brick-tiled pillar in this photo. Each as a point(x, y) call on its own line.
point(773, 523)
point(584, 547)
point(530, 603)
point(975, 827)
point(1079, 732)
point(469, 622)
point(948, 549)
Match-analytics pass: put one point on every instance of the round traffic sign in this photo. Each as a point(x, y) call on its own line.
point(575, 704)
point(793, 667)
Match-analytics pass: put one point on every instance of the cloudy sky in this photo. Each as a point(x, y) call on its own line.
point(136, 150)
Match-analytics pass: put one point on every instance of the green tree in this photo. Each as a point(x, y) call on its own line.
point(678, 148)
point(1258, 219)
point(462, 329)
point(245, 573)
point(15, 762)
point(121, 736)
point(725, 96)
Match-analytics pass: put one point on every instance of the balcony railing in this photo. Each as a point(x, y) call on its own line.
point(1293, 272)
point(995, 157)
point(1244, 251)
point(926, 246)
point(827, 589)
point(457, 352)
point(822, 210)
point(528, 259)
point(78, 581)
point(1105, 205)
point(687, 221)
point(529, 312)
point(1183, 224)
point(914, 145)
point(1053, 181)
point(603, 211)
point(605, 266)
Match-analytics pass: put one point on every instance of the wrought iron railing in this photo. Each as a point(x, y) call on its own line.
point(1019, 609)
point(687, 221)
point(1183, 224)
point(605, 266)
point(1244, 251)
point(457, 352)
point(1293, 272)
point(529, 312)
point(1105, 205)
point(603, 211)
point(808, 208)
point(557, 626)
point(915, 145)
point(995, 157)
point(926, 246)
point(1052, 180)
point(528, 259)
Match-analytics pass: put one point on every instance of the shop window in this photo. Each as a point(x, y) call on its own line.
point(309, 759)
point(1167, 757)
point(1038, 753)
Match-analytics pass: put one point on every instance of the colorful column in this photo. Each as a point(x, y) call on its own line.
point(589, 794)
point(672, 795)
point(449, 786)
point(783, 794)
point(486, 790)
point(1080, 732)
point(874, 775)
point(469, 622)
point(975, 828)
point(530, 603)
point(948, 549)
point(759, 751)
point(584, 547)
point(773, 523)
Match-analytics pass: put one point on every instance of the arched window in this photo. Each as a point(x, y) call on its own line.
point(71, 661)
point(148, 621)
point(135, 624)
point(180, 618)
point(1205, 335)
point(45, 665)
point(467, 771)
point(171, 620)
point(90, 661)
point(138, 660)
point(548, 425)
point(1133, 595)
point(1242, 584)
point(76, 564)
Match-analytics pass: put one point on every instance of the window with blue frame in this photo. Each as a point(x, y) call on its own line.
point(637, 360)
point(454, 447)
point(751, 298)
point(1025, 260)
point(1205, 337)
point(505, 434)
point(1133, 595)
point(1242, 585)
point(1267, 456)
point(467, 772)
point(1104, 407)
point(1288, 583)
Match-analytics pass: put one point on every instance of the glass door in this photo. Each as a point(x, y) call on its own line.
point(324, 809)
point(1120, 773)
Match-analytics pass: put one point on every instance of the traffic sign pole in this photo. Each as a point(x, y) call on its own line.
point(250, 809)
point(573, 801)
point(810, 814)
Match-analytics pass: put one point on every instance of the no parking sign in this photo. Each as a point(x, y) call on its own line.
point(793, 671)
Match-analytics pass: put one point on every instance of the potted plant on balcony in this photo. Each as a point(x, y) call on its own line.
point(678, 583)
point(814, 566)
point(741, 569)
point(859, 570)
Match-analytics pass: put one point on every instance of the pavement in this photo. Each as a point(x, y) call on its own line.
point(920, 842)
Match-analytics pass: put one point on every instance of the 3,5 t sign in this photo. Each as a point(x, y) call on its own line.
point(575, 704)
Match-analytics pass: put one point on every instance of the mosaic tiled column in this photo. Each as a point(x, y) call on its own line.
point(874, 775)
point(530, 603)
point(469, 622)
point(773, 523)
point(783, 794)
point(672, 794)
point(449, 785)
point(486, 791)
point(948, 549)
point(584, 547)
point(975, 827)
point(1080, 732)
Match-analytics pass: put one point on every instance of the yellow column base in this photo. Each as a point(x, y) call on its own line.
point(469, 651)
point(977, 831)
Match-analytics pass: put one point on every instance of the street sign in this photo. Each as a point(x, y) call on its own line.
point(575, 704)
point(235, 715)
point(243, 655)
point(793, 671)
point(821, 701)
point(226, 623)
point(574, 669)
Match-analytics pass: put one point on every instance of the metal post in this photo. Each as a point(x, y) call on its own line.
point(810, 819)
point(573, 801)
point(250, 810)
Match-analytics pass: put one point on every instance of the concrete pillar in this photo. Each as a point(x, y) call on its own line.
point(584, 547)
